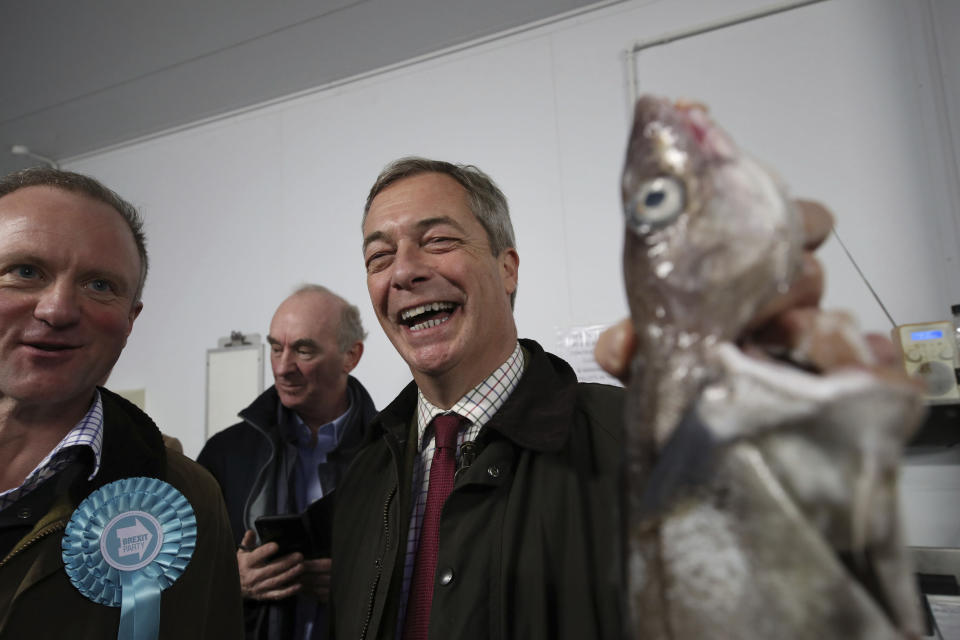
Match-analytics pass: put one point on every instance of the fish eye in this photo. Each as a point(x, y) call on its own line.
point(657, 203)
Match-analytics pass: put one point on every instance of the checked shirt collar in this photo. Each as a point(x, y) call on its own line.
point(479, 405)
point(86, 433)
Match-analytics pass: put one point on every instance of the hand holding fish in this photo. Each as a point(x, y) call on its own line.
point(762, 494)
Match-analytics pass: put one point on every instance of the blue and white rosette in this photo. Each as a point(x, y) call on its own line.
point(126, 542)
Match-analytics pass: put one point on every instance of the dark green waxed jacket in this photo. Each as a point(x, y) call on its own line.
point(529, 538)
point(37, 599)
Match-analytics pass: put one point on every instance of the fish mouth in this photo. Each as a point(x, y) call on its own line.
point(427, 315)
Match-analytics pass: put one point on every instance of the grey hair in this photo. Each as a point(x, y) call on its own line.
point(92, 188)
point(486, 200)
point(350, 329)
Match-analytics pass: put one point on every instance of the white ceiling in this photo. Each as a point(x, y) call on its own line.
point(85, 75)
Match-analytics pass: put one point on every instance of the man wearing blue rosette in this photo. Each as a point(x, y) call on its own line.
point(104, 532)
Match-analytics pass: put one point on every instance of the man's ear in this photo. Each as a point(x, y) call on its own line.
point(509, 269)
point(132, 316)
point(351, 357)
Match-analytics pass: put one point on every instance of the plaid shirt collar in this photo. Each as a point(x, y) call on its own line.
point(86, 433)
point(480, 404)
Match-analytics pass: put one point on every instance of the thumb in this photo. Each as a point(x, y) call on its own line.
point(249, 541)
point(615, 349)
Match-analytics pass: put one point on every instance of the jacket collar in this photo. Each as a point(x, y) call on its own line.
point(132, 444)
point(265, 413)
point(362, 411)
point(523, 418)
point(262, 412)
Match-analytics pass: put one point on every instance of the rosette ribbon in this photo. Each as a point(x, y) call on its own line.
point(127, 542)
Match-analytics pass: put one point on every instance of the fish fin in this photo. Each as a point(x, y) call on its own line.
point(685, 463)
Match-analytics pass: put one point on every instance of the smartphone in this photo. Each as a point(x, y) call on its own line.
point(287, 530)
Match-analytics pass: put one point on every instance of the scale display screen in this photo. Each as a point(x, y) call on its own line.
point(934, 334)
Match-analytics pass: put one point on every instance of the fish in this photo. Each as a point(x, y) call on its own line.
point(760, 497)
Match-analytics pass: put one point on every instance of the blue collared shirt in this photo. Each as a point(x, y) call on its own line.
point(309, 487)
point(311, 453)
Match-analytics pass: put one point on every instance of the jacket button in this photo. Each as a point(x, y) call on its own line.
point(24, 513)
point(493, 471)
point(446, 576)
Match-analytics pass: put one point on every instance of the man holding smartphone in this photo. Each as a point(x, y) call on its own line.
point(286, 457)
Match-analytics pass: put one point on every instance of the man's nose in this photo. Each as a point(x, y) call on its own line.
point(409, 266)
point(58, 304)
point(284, 362)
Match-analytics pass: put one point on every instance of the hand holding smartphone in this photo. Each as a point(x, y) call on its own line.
point(288, 531)
point(308, 532)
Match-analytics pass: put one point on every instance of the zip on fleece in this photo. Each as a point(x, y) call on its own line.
point(394, 446)
point(52, 523)
point(55, 520)
point(36, 537)
point(259, 481)
point(379, 563)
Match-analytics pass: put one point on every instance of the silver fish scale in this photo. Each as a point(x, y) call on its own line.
point(773, 512)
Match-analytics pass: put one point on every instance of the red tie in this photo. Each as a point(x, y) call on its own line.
point(441, 484)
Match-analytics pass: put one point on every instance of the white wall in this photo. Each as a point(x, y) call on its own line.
point(839, 96)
